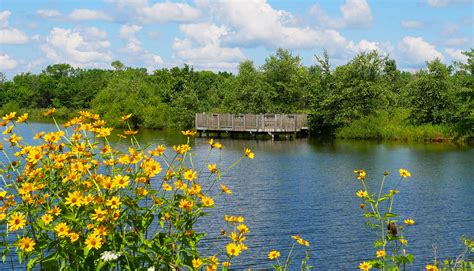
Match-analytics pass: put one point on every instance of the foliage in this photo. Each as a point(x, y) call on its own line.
point(391, 244)
point(394, 125)
point(73, 202)
point(370, 84)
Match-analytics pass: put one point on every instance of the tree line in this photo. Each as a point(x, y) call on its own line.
point(345, 101)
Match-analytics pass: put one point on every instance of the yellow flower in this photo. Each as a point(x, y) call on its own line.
point(62, 229)
point(130, 132)
point(26, 244)
point(180, 185)
point(365, 266)
point(362, 194)
point(2, 216)
point(216, 144)
point(180, 149)
point(93, 241)
point(409, 221)
point(49, 112)
point(74, 199)
point(207, 201)
point(361, 174)
point(233, 249)
point(404, 173)
point(114, 202)
point(300, 240)
point(55, 211)
point(188, 133)
point(197, 263)
point(151, 167)
point(10, 116)
point(248, 152)
point(2, 193)
point(403, 241)
point(380, 253)
point(17, 221)
point(195, 189)
point(14, 139)
point(73, 236)
point(186, 204)
point(121, 181)
point(22, 118)
point(190, 175)
point(47, 218)
point(212, 168)
point(430, 267)
point(226, 264)
point(274, 254)
point(225, 189)
point(8, 130)
point(126, 117)
point(243, 228)
point(99, 214)
point(167, 187)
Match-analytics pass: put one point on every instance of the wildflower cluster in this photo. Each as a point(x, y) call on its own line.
point(69, 200)
point(274, 255)
point(391, 243)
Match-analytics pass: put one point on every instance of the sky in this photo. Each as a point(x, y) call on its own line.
point(218, 35)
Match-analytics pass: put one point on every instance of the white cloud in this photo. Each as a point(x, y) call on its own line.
point(364, 46)
point(145, 13)
point(10, 35)
point(128, 33)
point(133, 47)
point(456, 54)
point(444, 3)
point(416, 51)
point(88, 14)
point(7, 62)
point(202, 48)
point(411, 24)
point(47, 13)
point(77, 48)
point(256, 23)
point(354, 13)
point(4, 15)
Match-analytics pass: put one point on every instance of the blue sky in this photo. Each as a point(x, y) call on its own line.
point(218, 35)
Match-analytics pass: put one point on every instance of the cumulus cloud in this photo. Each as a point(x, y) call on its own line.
point(367, 46)
point(47, 13)
point(145, 13)
point(88, 14)
point(256, 23)
point(7, 62)
point(354, 13)
point(9, 35)
point(128, 33)
point(134, 49)
point(202, 48)
point(411, 24)
point(444, 3)
point(79, 48)
point(12, 36)
point(456, 54)
point(416, 51)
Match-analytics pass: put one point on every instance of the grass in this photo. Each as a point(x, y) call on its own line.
point(394, 126)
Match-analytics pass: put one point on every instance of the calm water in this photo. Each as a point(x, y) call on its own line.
point(307, 187)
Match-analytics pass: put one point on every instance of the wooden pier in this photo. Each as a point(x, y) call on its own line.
point(272, 124)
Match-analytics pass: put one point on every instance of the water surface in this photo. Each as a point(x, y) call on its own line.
point(307, 187)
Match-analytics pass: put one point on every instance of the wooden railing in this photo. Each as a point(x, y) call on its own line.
point(251, 122)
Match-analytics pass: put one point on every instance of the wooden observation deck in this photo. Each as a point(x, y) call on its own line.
point(272, 124)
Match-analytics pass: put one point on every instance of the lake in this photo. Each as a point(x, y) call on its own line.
point(307, 187)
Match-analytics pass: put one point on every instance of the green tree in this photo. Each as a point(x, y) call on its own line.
point(432, 94)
